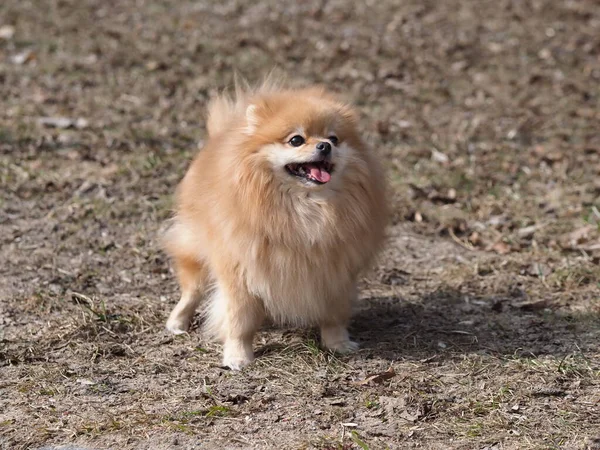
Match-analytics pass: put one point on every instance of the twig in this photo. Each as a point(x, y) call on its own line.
point(460, 242)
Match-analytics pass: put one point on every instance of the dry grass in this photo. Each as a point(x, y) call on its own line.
point(485, 302)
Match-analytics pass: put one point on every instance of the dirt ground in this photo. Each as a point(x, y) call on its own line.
point(485, 303)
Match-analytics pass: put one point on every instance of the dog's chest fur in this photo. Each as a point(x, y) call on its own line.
point(304, 272)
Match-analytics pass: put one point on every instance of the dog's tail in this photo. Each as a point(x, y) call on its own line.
point(223, 108)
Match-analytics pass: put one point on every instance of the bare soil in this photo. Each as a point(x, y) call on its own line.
point(485, 303)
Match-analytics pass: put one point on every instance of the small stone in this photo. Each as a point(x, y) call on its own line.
point(7, 32)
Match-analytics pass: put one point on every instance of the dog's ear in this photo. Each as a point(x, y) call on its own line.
point(257, 111)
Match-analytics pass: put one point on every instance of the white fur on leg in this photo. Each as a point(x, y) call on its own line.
point(215, 315)
point(237, 353)
point(177, 326)
point(336, 338)
point(234, 325)
point(181, 316)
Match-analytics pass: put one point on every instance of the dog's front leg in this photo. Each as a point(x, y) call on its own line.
point(334, 327)
point(234, 316)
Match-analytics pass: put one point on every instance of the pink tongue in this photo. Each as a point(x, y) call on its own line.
point(318, 174)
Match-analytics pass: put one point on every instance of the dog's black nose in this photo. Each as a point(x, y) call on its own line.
point(324, 148)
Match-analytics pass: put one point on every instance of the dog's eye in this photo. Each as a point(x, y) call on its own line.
point(296, 141)
point(334, 140)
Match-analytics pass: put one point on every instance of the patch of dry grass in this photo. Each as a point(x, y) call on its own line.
point(485, 301)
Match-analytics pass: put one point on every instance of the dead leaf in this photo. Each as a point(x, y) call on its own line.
point(378, 377)
point(475, 238)
point(432, 194)
point(23, 57)
point(440, 157)
point(399, 407)
point(539, 150)
point(502, 248)
point(152, 65)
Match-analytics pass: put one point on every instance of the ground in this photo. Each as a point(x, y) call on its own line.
point(480, 325)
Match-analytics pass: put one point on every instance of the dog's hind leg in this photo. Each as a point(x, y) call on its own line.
point(193, 279)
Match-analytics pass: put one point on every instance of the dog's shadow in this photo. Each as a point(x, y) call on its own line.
point(446, 323)
point(443, 323)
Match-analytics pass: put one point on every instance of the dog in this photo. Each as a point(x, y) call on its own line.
point(277, 216)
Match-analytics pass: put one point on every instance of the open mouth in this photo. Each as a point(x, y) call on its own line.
point(315, 171)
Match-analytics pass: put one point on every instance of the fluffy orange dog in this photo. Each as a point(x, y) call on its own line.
point(276, 217)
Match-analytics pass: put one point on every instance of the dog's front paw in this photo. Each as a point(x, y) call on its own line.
point(237, 354)
point(236, 362)
point(336, 338)
point(343, 347)
point(176, 325)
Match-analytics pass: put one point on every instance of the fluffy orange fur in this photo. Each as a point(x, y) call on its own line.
point(257, 241)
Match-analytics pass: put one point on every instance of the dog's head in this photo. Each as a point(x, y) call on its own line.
point(304, 138)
